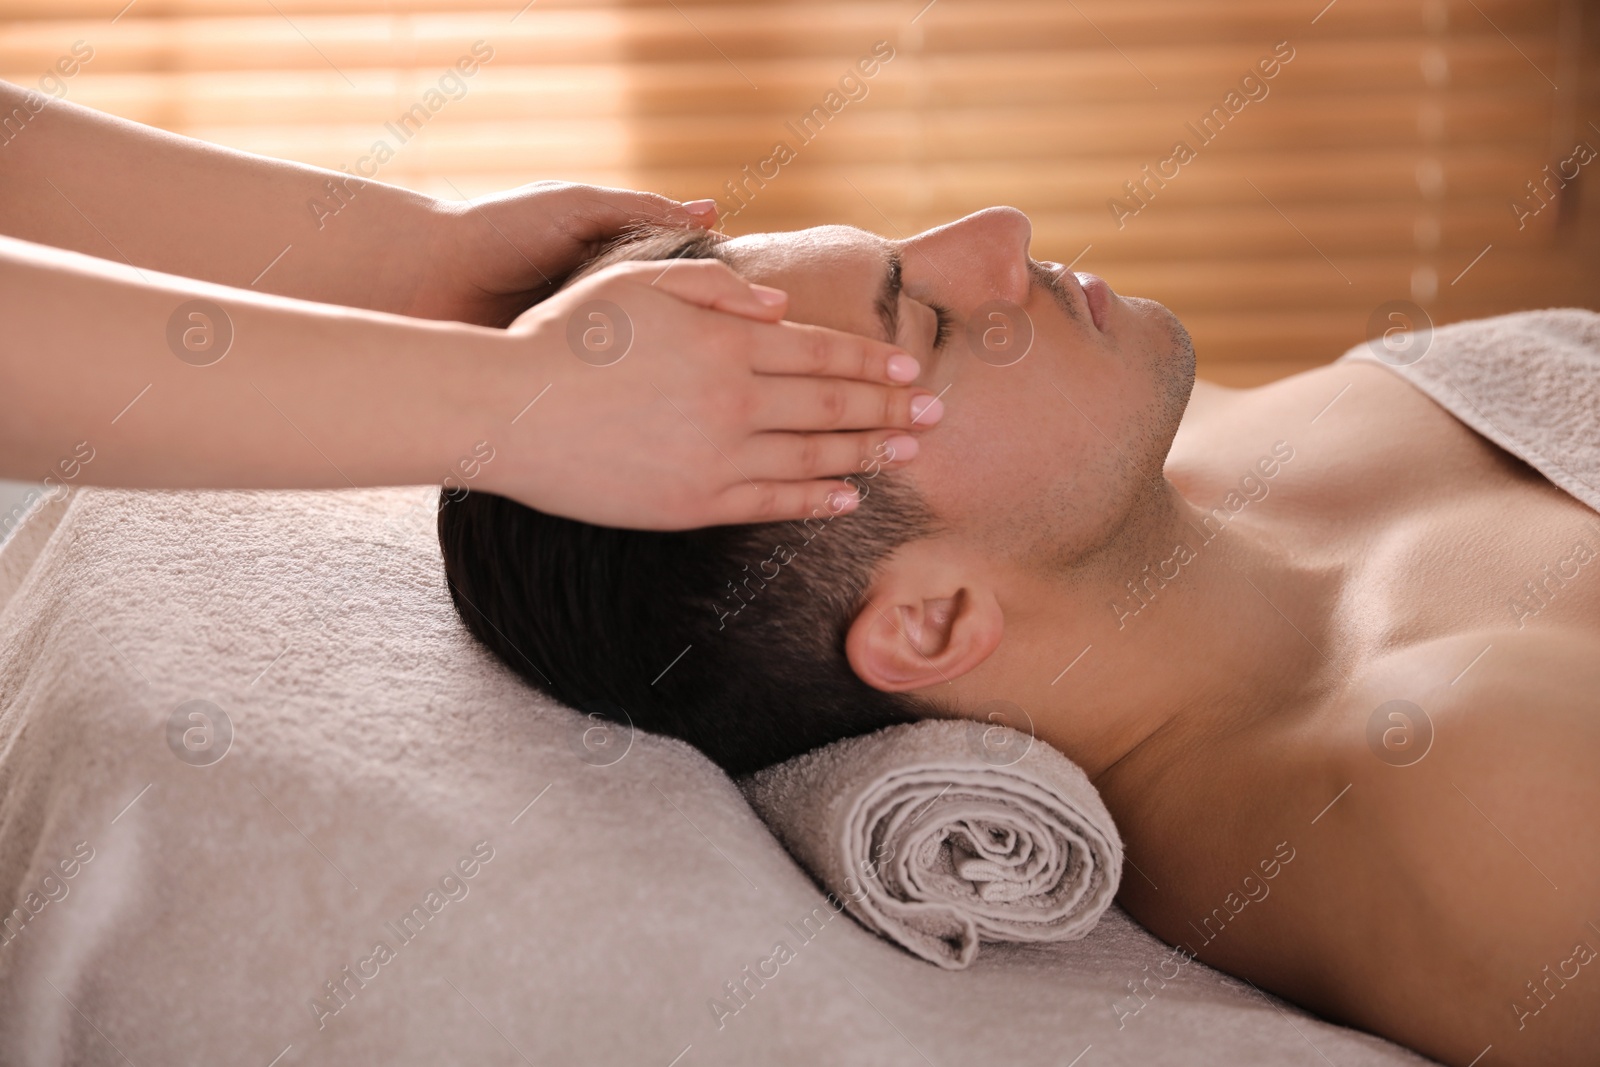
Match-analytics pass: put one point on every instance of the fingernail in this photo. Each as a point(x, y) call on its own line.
point(903, 368)
point(839, 501)
point(902, 447)
point(927, 410)
point(700, 207)
point(768, 295)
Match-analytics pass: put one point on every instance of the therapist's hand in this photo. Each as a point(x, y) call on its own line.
point(87, 182)
point(497, 255)
point(716, 412)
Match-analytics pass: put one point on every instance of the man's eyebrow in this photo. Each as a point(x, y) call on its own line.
point(889, 295)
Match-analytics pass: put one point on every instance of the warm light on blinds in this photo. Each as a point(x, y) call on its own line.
point(1386, 150)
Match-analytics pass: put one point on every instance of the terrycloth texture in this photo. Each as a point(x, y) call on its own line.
point(1529, 382)
point(940, 833)
point(375, 745)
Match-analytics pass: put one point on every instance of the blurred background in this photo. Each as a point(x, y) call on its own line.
point(1417, 150)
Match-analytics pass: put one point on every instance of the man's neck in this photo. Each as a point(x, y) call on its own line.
point(1184, 621)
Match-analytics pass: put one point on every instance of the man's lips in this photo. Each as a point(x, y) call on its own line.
point(1088, 289)
point(1097, 294)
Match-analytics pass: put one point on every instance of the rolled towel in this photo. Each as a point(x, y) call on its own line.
point(943, 833)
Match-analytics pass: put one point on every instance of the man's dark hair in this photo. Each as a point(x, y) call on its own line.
point(729, 637)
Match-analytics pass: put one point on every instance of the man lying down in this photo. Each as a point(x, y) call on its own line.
point(1223, 706)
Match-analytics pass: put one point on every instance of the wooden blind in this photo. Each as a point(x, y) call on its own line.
point(1380, 161)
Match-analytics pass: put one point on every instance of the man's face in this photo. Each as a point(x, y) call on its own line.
point(1040, 458)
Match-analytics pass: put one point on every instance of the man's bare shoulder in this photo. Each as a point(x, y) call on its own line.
point(1461, 862)
point(1406, 857)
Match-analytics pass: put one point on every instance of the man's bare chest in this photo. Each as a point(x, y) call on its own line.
point(1441, 531)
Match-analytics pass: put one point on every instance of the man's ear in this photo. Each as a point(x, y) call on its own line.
point(927, 620)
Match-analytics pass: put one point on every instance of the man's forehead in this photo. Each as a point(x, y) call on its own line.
point(833, 246)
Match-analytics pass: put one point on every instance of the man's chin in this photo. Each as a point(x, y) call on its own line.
point(1170, 351)
point(1171, 347)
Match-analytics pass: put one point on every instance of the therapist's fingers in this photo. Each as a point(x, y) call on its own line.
point(801, 456)
point(667, 425)
point(708, 283)
point(766, 501)
point(598, 213)
point(795, 348)
point(800, 403)
point(817, 350)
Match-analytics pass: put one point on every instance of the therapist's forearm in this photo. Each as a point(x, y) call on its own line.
point(89, 182)
point(306, 395)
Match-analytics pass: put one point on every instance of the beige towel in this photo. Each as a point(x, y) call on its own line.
point(632, 913)
point(942, 833)
point(1529, 382)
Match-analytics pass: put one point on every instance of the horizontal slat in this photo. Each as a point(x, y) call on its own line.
point(1316, 335)
point(577, 95)
point(1393, 143)
point(341, 50)
point(1153, 16)
point(868, 142)
point(489, 160)
point(1218, 178)
point(1264, 283)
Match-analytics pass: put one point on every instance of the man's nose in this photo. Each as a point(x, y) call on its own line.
point(983, 256)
